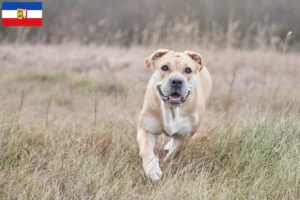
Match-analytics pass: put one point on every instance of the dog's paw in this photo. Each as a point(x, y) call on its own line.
point(152, 169)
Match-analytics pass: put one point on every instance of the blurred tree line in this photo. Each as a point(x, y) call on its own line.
point(236, 23)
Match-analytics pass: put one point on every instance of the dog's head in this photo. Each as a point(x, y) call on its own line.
point(174, 74)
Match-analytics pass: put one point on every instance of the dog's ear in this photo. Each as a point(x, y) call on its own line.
point(157, 54)
point(196, 57)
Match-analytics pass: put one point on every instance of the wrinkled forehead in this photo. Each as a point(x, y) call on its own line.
point(175, 59)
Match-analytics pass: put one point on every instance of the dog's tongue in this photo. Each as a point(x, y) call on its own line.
point(175, 97)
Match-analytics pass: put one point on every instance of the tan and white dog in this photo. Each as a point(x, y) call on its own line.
point(174, 104)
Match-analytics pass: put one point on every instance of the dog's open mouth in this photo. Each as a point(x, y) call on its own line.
point(174, 98)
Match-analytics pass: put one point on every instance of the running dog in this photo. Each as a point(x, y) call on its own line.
point(174, 104)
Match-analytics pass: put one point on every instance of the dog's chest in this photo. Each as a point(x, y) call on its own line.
point(176, 124)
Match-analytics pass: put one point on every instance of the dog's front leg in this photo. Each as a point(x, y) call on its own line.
point(146, 143)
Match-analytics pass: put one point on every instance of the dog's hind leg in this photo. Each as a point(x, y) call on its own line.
point(169, 145)
point(175, 145)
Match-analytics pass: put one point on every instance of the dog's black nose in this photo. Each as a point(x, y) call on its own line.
point(176, 82)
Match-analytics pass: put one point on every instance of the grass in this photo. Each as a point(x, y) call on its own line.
point(262, 162)
point(247, 149)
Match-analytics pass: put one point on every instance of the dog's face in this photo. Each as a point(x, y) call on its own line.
point(175, 74)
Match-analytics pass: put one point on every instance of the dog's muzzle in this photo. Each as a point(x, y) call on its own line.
point(174, 99)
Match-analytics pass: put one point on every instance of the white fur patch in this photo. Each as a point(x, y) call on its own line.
point(177, 124)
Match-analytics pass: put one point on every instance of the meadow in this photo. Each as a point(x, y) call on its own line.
point(68, 118)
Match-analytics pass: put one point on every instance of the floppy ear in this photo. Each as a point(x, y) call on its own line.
point(196, 57)
point(157, 54)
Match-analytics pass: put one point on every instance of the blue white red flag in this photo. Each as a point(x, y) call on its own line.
point(22, 14)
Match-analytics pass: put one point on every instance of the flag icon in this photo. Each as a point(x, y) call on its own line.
point(22, 14)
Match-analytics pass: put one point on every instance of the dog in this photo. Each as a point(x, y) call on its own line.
point(174, 104)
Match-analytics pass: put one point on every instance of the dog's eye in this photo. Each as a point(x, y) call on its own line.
point(165, 68)
point(188, 70)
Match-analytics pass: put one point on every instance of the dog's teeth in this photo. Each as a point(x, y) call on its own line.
point(175, 98)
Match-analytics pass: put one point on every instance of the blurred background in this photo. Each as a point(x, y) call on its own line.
point(222, 23)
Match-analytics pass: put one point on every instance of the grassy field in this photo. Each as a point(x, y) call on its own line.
point(68, 126)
